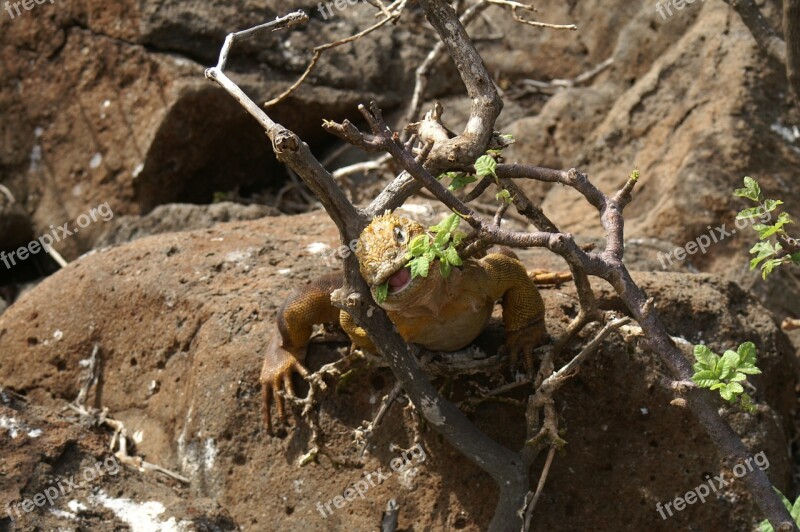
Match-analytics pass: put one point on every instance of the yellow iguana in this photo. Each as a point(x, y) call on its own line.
point(439, 314)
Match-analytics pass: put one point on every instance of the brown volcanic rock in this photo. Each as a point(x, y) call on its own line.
point(108, 102)
point(182, 320)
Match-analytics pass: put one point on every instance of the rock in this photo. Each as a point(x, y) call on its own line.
point(177, 217)
point(62, 474)
point(109, 104)
point(692, 103)
point(189, 385)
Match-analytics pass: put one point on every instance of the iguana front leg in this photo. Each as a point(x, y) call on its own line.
point(286, 352)
point(523, 308)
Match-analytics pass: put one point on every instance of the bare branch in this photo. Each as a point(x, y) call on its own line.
point(531, 505)
point(791, 34)
point(766, 37)
point(532, 85)
point(319, 50)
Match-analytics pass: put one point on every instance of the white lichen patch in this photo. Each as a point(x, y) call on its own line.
point(316, 248)
point(76, 506)
point(15, 428)
point(61, 514)
point(415, 208)
point(237, 256)
point(431, 411)
point(96, 161)
point(789, 134)
point(210, 454)
point(140, 517)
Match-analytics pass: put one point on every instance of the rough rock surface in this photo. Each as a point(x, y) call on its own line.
point(189, 388)
point(106, 102)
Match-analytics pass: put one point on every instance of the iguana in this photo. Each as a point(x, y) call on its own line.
point(439, 314)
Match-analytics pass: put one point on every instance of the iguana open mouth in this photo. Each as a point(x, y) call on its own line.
point(399, 280)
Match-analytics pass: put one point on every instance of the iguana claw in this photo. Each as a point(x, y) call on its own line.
point(276, 377)
point(523, 342)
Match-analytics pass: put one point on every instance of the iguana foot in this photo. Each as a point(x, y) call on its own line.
point(276, 377)
point(523, 342)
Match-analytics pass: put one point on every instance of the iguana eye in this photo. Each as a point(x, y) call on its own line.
point(400, 234)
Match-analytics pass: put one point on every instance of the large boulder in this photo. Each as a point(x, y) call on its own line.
point(181, 321)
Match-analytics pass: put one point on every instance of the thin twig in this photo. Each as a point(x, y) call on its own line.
point(539, 488)
point(319, 50)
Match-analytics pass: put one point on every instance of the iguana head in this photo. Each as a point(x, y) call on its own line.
point(381, 252)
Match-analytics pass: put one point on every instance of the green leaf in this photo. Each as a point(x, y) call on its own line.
point(748, 369)
point(766, 231)
point(445, 268)
point(451, 256)
point(795, 510)
point(726, 393)
point(458, 236)
point(730, 361)
point(747, 403)
point(752, 212)
point(418, 245)
point(786, 502)
point(448, 225)
point(764, 250)
point(721, 369)
point(764, 526)
point(750, 191)
point(451, 175)
point(381, 292)
point(795, 257)
point(504, 196)
point(771, 205)
point(441, 239)
point(738, 377)
point(735, 388)
point(704, 355)
point(485, 165)
point(461, 181)
point(768, 266)
point(747, 353)
point(419, 267)
point(705, 378)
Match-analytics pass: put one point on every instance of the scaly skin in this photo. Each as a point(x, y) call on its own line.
point(438, 314)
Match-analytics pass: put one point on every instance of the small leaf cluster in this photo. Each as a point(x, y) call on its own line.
point(424, 250)
point(794, 510)
point(458, 180)
point(381, 292)
point(484, 165)
point(767, 253)
point(725, 373)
